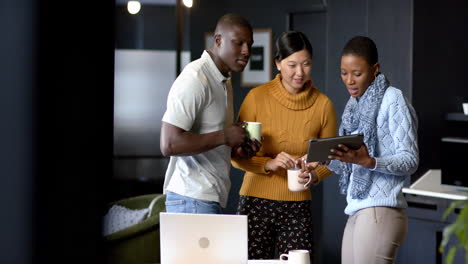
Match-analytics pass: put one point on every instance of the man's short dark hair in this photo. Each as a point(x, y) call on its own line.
point(234, 20)
point(363, 47)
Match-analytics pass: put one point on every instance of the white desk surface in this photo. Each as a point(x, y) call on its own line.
point(265, 261)
point(430, 185)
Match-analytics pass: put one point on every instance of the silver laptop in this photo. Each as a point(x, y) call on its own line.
point(203, 238)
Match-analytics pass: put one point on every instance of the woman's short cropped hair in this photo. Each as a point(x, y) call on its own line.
point(363, 47)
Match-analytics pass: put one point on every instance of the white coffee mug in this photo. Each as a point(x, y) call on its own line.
point(254, 129)
point(297, 256)
point(465, 108)
point(293, 180)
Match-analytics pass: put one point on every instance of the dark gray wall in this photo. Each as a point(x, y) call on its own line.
point(16, 134)
point(154, 27)
point(56, 79)
point(388, 23)
point(74, 117)
point(440, 57)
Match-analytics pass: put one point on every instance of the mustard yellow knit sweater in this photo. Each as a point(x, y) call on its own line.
point(288, 122)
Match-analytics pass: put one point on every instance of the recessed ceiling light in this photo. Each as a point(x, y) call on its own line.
point(133, 7)
point(188, 3)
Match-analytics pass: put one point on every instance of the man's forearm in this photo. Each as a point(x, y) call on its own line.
point(188, 143)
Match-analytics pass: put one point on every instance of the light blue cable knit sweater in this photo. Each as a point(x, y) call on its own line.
point(396, 154)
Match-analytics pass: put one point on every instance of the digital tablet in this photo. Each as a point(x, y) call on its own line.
point(319, 148)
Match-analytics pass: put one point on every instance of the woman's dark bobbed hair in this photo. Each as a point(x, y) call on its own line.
point(290, 42)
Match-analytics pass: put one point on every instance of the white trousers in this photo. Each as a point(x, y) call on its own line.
point(373, 235)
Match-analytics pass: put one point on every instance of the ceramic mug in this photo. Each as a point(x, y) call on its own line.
point(254, 129)
point(293, 180)
point(297, 256)
point(465, 108)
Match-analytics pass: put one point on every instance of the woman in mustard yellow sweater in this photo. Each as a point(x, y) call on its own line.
point(291, 111)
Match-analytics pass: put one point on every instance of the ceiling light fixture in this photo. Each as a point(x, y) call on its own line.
point(133, 7)
point(188, 3)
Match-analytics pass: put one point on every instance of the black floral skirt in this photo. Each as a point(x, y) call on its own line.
point(275, 227)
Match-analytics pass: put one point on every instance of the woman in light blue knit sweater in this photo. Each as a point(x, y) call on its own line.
point(372, 177)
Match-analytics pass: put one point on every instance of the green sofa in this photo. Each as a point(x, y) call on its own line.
point(137, 244)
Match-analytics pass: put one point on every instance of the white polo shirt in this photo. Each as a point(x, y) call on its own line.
point(200, 101)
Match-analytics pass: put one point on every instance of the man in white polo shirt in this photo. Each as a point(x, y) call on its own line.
point(197, 129)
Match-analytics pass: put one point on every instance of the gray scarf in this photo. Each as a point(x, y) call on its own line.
point(361, 113)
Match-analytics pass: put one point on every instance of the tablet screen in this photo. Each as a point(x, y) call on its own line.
point(319, 148)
